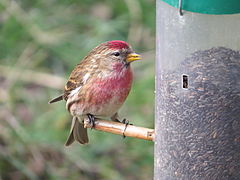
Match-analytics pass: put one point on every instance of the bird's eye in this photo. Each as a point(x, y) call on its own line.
point(116, 54)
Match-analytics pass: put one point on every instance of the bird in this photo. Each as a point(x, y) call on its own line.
point(98, 86)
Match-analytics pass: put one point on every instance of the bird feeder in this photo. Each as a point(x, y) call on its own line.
point(197, 128)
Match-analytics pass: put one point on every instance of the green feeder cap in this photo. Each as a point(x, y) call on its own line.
point(208, 6)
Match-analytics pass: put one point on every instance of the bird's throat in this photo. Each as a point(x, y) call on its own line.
point(120, 67)
point(121, 77)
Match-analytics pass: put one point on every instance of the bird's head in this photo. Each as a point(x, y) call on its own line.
point(114, 53)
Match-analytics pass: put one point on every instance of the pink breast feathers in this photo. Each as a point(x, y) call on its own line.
point(116, 87)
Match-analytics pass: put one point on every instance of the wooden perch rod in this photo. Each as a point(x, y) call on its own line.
point(120, 128)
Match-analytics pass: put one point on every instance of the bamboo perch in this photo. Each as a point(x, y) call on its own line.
point(120, 128)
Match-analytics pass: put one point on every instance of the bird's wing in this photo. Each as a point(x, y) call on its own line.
point(77, 79)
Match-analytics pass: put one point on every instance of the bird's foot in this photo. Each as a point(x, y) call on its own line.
point(91, 120)
point(126, 122)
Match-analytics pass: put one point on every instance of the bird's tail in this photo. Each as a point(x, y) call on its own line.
point(77, 132)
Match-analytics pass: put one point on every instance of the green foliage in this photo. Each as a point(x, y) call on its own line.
point(49, 37)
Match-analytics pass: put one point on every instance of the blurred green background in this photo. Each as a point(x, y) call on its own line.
point(40, 43)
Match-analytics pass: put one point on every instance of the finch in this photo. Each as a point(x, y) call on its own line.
point(98, 86)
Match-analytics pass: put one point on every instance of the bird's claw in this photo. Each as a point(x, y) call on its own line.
point(91, 120)
point(126, 122)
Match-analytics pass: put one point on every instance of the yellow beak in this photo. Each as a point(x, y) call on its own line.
point(133, 57)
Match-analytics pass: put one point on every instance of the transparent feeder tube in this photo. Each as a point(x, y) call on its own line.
point(197, 95)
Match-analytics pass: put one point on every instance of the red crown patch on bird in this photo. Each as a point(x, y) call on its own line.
point(117, 44)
